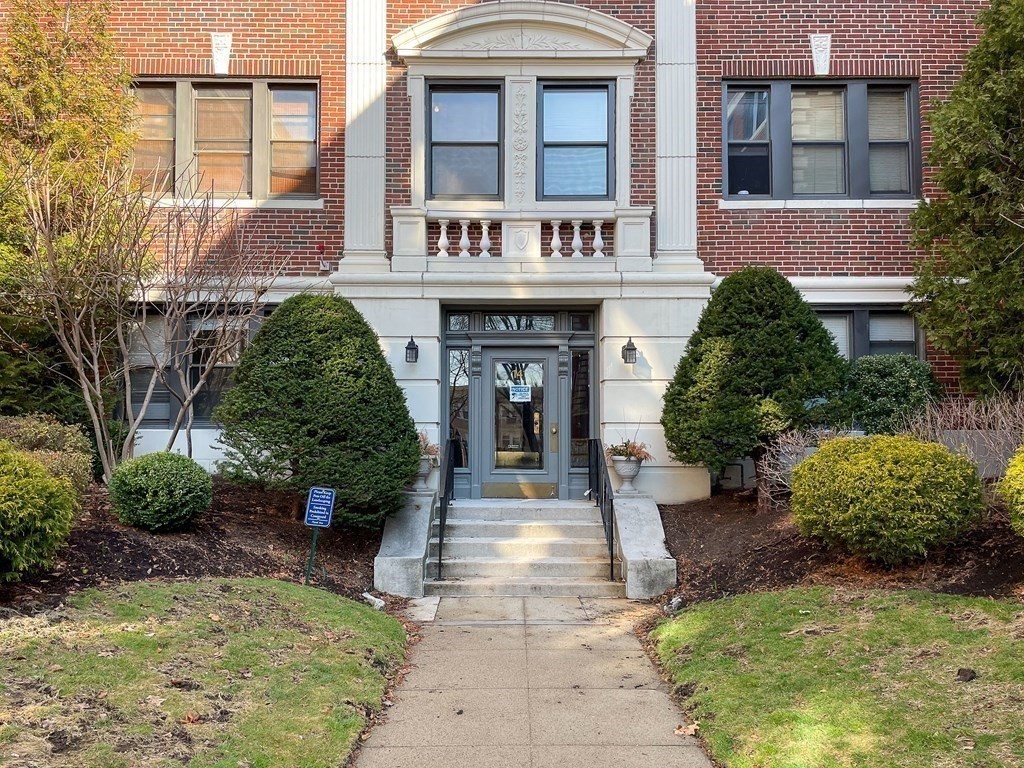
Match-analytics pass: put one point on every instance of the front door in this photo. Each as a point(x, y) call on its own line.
point(521, 430)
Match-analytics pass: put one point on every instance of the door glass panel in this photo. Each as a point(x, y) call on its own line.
point(518, 414)
point(580, 408)
point(458, 403)
point(519, 322)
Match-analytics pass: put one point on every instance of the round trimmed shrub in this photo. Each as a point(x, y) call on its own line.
point(888, 498)
point(36, 510)
point(885, 391)
point(160, 491)
point(1011, 489)
point(316, 403)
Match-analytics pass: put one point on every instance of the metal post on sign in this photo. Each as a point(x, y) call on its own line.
point(312, 554)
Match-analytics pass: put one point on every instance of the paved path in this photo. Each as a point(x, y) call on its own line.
point(537, 682)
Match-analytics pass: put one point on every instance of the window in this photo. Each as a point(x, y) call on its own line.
point(223, 140)
point(293, 150)
point(257, 140)
point(576, 126)
point(154, 152)
point(797, 140)
point(208, 338)
point(860, 332)
point(465, 141)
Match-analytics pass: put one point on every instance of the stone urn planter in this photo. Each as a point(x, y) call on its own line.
point(627, 468)
point(423, 473)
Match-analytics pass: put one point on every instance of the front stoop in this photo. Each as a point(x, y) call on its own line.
point(522, 548)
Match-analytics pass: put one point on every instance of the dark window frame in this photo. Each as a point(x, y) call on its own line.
point(860, 326)
point(609, 144)
point(465, 86)
point(780, 137)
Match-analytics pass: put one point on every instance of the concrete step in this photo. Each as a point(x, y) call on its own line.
point(525, 587)
point(525, 509)
point(544, 529)
point(576, 568)
point(534, 547)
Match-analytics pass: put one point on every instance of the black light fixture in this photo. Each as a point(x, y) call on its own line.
point(412, 352)
point(629, 352)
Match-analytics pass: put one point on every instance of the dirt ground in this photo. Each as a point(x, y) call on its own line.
point(247, 532)
point(723, 546)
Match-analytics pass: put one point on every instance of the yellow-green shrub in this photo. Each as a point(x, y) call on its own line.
point(887, 498)
point(63, 449)
point(1011, 489)
point(36, 510)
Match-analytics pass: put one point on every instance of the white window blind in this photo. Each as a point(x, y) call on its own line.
point(891, 327)
point(839, 327)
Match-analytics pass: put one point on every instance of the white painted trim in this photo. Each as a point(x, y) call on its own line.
point(594, 34)
point(853, 290)
point(827, 203)
point(270, 204)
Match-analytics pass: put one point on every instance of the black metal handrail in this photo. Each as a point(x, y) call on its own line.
point(602, 494)
point(446, 495)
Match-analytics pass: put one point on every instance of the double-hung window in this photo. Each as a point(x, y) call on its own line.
point(254, 140)
point(465, 141)
point(576, 129)
point(793, 140)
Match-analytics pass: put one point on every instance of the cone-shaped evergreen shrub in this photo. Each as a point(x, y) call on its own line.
point(759, 361)
point(315, 403)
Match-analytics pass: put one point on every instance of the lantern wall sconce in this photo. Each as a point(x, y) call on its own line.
point(629, 352)
point(412, 352)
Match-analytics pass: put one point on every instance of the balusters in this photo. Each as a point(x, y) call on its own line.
point(442, 241)
point(556, 239)
point(485, 239)
point(464, 240)
point(577, 239)
point(598, 240)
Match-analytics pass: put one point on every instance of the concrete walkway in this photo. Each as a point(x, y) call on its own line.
point(544, 682)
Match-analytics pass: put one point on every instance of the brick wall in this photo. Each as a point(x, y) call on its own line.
point(870, 38)
point(270, 38)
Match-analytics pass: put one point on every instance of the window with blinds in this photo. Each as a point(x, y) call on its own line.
point(223, 140)
point(863, 331)
point(892, 333)
point(839, 327)
point(293, 135)
point(155, 112)
point(791, 140)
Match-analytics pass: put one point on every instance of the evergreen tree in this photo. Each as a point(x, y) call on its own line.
point(971, 284)
point(759, 362)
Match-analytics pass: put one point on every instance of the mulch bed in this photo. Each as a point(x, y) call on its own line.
point(247, 532)
point(724, 546)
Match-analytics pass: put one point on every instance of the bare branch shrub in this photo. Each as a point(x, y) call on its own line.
point(775, 470)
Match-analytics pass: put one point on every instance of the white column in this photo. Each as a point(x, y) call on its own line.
point(676, 135)
point(365, 118)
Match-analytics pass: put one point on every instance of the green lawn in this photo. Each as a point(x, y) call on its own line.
point(248, 673)
point(812, 678)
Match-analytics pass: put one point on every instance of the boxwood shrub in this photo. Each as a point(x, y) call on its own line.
point(888, 498)
point(160, 491)
point(1011, 489)
point(884, 392)
point(63, 449)
point(36, 510)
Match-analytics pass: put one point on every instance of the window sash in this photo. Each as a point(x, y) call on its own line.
point(877, 330)
point(155, 154)
point(487, 87)
point(608, 145)
point(858, 147)
point(297, 180)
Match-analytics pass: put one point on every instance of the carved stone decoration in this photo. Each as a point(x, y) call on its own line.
point(821, 51)
point(523, 41)
point(556, 239)
point(485, 239)
point(220, 52)
point(520, 239)
point(598, 240)
point(442, 241)
point(520, 141)
point(577, 240)
point(464, 240)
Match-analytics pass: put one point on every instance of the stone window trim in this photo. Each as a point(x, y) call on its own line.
point(186, 183)
point(855, 141)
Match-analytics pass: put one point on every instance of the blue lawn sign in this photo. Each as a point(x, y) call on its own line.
point(319, 507)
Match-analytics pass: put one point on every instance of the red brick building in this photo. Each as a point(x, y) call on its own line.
point(534, 184)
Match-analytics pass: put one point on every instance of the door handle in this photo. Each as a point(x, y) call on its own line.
point(554, 438)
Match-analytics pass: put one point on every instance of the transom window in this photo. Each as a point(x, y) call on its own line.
point(256, 140)
point(576, 126)
point(465, 141)
point(791, 140)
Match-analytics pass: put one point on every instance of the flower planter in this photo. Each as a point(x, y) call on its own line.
point(626, 468)
point(426, 463)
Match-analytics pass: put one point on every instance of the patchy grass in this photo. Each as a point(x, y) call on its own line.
point(218, 673)
point(822, 678)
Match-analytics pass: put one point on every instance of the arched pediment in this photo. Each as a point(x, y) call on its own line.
point(522, 29)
